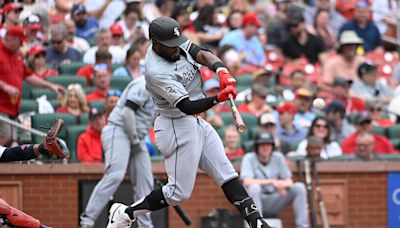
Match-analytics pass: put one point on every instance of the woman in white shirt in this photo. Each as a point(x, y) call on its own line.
point(320, 128)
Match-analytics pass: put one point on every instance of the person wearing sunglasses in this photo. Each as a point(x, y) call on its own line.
point(37, 62)
point(320, 128)
point(74, 101)
point(59, 52)
point(375, 109)
point(111, 101)
point(87, 71)
point(101, 78)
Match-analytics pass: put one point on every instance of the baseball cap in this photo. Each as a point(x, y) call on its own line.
point(286, 107)
point(335, 106)
point(266, 118)
point(342, 81)
point(167, 31)
point(11, 6)
point(265, 138)
point(294, 15)
point(362, 117)
point(210, 84)
point(303, 92)
point(17, 32)
point(365, 68)
point(251, 19)
point(94, 112)
point(36, 49)
point(77, 9)
point(116, 29)
point(32, 22)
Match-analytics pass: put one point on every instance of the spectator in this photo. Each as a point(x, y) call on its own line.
point(395, 79)
point(367, 86)
point(300, 42)
point(131, 24)
point(89, 148)
point(86, 26)
point(208, 30)
point(232, 143)
point(103, 42)
point(262, 77)
point(102, 57)
point(375, 109)
point(341, 93)
point(33, 29)
point(337, 20)
point(346, 62)
point(74, 41)
point(246, 42)
point(320, 129)
point(132, 67)
point(102, 77)
point(296, 75)
point(276, 28)
point(142, 44)
point(340, 128)
point(314, 147)
point(381, 144)
point(12, 73)
point(267, 123)
point(74, 101)
point(323, 29)
point(384, 14)
point(106, 12)
point(303, 101)
point(268, 181)
point(59, 53)
point(287, 131)
point(364, 27)
point(257, 104)
point(111, 100)
point(117, 36)
point(234, 20)
point(10, 15)
point(365, 148)
point(182, 16)
point(37, 62)
point(231, 58)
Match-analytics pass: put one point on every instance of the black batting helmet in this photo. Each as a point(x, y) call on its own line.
point(167, 31)
point(264, 138)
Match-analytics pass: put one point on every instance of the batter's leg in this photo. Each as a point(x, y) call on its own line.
point(142, 179)
point(116, 147)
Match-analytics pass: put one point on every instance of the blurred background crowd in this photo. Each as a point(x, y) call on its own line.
point(71, 59)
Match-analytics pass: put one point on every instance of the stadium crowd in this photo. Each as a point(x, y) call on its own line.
point(72, 59)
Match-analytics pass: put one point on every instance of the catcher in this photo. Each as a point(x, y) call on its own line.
point(50, 146)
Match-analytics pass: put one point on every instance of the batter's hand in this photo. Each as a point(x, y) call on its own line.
point(224, 94)
point(225, 78)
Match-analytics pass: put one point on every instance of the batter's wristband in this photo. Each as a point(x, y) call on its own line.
point(217, 65)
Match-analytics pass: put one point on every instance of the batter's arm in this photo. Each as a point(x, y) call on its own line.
point(203, 56)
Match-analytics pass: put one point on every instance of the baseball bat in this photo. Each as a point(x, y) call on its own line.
point(240, 126)
point(179, 210)
point(310, 193)
point(321, 204)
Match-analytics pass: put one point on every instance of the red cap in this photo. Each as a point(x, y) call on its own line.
point(286, 107)
point(116, 29)
point(251, 19)
point(16, 31)
point(36, 49)
point(10, 7)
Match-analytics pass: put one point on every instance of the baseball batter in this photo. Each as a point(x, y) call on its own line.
point(186, 141)
point(123, 143)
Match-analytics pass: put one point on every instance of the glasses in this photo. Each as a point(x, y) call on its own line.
point(114, 92)
point(101, 66)
point(375, 109)
point(321, 126)
point(56, 42)
point(40, 55)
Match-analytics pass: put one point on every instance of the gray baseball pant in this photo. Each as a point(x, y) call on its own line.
point(118, 152)
point(275, 203)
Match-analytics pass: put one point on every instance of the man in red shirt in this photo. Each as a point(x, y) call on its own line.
point(12, 72)
point(102, 77)
point(340, 90)
point(89, 142)
point(364, 124)
point(102, 57)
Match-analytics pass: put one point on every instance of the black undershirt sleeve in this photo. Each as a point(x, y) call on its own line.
point(195, 107)
point(194, 49)
point(18, 153)
point(132, 105)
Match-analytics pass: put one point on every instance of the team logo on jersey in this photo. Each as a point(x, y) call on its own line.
point(169, 89)
point(177, 32)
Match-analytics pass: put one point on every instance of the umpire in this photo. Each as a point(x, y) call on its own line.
point(123, 143)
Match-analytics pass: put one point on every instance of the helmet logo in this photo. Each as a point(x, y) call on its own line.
point(176, 31)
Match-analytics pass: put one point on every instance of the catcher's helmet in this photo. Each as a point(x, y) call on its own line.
point(167, 31)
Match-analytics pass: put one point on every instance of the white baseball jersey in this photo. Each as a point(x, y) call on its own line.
point(2, 149)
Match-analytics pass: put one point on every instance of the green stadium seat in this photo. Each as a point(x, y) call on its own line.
point(89, 89)
point(55, 104)
point(345, 157)
point(67, 80)
point(97, 104)
point(71, 68)
point(244, 80)
point(119, 82)
point(29, 105)
point(38, 92)
point(379, 130)
point(72, 135)
point(352, 118)
point(395, 143)
point(115, 66)
point(43, 122)
point(84, 118)
point(390, 157)
point(26, 90)
point(393, 132)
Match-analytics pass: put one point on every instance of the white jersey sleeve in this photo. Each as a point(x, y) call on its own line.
point(2, 149)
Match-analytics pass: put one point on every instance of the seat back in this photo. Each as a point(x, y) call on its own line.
point(67, 80)
point(72, 135)
point(119, 82)
point(43, 122)
point(71, 68)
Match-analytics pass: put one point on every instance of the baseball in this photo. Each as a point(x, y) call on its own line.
point(318, 103)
